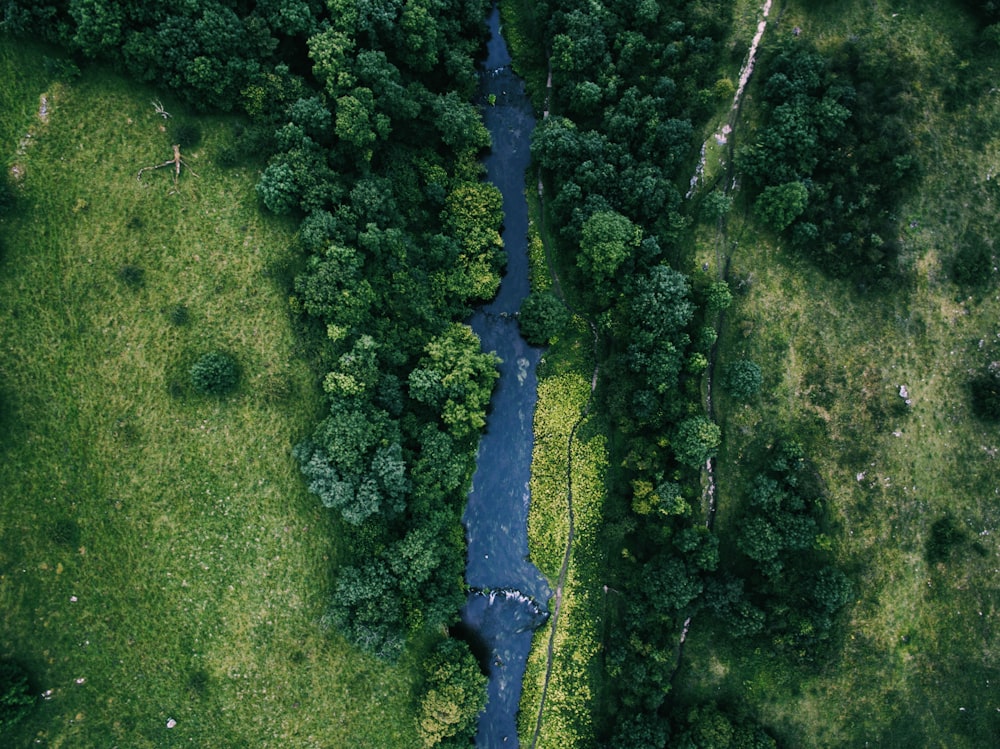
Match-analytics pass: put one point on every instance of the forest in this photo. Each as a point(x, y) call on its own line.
point(743, 402)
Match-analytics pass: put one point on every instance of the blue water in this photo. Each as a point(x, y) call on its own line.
point(510, 604)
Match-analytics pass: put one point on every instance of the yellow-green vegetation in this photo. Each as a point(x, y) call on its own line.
point(163, 572)
point(566, 719)
point(875, 384)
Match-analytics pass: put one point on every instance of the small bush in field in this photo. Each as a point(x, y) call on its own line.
point(132, 276)
point(215, 373)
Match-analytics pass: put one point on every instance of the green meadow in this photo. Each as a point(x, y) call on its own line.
point(874, 382)
point(163, 571)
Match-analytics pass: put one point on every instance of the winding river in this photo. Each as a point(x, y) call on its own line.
point(508, 593)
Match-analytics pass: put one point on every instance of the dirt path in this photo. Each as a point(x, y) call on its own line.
point(550, 653)
point(723, 136)
point(709, 494)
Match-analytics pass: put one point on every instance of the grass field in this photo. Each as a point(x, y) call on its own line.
point(160, 558)
point(915, 662)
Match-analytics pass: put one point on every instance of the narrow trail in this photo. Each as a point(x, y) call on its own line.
point(723, 258)
point(571, 534)
point(709, 494)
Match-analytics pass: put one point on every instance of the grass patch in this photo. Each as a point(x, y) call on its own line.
point(911, 487)
point(160, 557)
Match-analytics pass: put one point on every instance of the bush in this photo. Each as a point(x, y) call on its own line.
point(215, 373)
point(179, 315)
point(542, 317)
point(15, 695)
point(742, 378)
point(132, 276)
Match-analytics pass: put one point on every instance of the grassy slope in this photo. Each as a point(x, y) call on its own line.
point(916, 661)
point(198, 562)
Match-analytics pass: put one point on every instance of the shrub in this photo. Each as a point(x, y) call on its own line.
point(15, 695)
point(742, 378)
point(542, 317)
point(179, 315)
point(132, 276)
point(215, 373)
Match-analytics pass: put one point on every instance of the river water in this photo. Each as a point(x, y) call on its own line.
point(507, 604)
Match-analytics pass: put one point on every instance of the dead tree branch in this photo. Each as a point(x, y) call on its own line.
point(176, 161)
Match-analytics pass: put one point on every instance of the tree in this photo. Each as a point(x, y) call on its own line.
point(542, 317)
point(718, 297)
point(215, 373)
point(779, 205)
point(15, 695)
point(607, 240)
point(367, 609)
point(354, 461)
point(456, 379)
point(454, 695)
point(695, 441)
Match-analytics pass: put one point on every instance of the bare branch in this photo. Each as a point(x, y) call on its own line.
point(160, 110)
point(176, 162)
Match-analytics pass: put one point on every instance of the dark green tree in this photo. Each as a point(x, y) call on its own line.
point(454, 694)
point(215, 373)
point(543, 316)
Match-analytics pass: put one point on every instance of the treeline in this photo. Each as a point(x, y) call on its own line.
point(631, 84)
point(363, 113)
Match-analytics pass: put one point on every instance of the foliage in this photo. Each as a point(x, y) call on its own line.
point(833, 157)
point(742, 378)
point(454, 695)
point(15, 698)
point(215, 373)
point(542, 317)
point(457, 379)
point(696, 440)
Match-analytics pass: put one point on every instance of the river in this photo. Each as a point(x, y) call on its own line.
point(509, 593)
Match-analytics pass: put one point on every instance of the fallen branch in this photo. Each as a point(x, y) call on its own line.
point(176, 161)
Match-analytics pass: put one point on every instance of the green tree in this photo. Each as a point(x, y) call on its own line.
point(779, 205)
point(215, 373)
point(607, 240)
point(454, 695)
point(695, 441)
point(542, 317)
point(456, 379)
point(718, 297)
